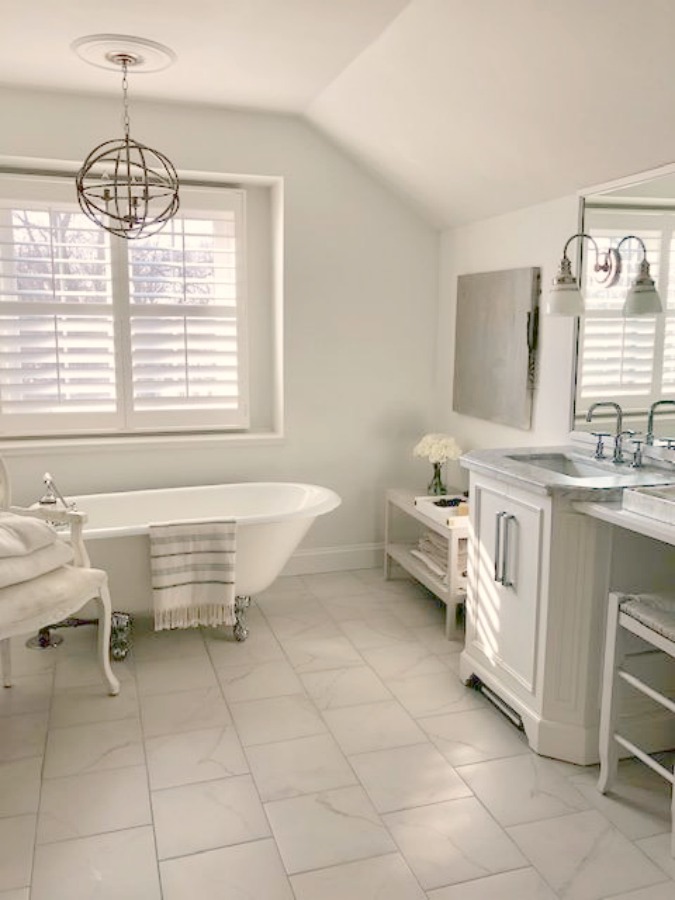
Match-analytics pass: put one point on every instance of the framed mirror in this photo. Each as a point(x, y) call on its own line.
point(628, 360)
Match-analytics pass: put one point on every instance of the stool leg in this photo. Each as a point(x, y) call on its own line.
point(104, 626)
point(609, 710)
point(6, 660)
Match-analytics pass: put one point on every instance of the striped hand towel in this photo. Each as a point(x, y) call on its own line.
point(193, 572)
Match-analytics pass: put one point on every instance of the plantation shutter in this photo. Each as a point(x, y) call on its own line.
point(99, 334)
point(631, 361)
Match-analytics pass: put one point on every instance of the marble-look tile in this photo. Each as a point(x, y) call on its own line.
point(120, 865)
point(244, 872)
point(20, 786)
point(185, 673)
point(31, 661)
point(638, 804)
point(260, 646)
point(420, 611)
point(276, 719)
point(597, 860)
point(327, 828)
point(451, 842)
point(522, 789)
point(356, 606)
point(82, 805)
point(655, 892)
point(522, 884)
point(183, 711)
point(288, 589)
point(204, 816)
point(657, 848)
point(257, 681)
point(333, 584)
point(166, 644)
point(380, 878)
point(87, 704)
point(301, 622)
point(475, 735)
point(434, 640)
point(23, 736)
point(93, 748)
point(318, 653)
point(28, 694)
point(336, 688)
point(375, 631)
point(192, 756)
point(373, 726)
point(301, 766)
point(17, 894)
point(17, 837)
point(404, 660)
point(78, 670)
point(406, 777)
point(434, 695)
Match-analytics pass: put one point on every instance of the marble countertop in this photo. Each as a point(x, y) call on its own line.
point(611, 479)
point(615, 515)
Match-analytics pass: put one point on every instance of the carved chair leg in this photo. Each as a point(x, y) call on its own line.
point(105, 612)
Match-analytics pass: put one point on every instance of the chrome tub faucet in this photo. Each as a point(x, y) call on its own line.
point(53, 495)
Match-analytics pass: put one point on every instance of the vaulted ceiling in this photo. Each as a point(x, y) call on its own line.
point(470, 108)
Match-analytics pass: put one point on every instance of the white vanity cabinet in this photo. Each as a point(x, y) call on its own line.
point(506, 566)
point(539, 572)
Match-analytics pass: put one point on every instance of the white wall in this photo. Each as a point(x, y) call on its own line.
point(534, 236)
point(361, 292)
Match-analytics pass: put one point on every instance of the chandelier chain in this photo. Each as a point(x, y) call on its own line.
point(125, 95)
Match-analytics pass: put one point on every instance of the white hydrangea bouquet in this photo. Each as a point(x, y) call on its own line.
point(438, 449)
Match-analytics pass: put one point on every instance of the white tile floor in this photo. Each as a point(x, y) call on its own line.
point(333, 756)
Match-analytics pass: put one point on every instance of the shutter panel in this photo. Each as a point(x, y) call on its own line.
point(57, 352)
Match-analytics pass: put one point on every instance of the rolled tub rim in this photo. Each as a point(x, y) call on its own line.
point(327, 500)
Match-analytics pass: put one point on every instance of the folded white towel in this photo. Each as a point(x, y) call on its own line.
point(21, 534)
point(15, 569)
point(193, 573)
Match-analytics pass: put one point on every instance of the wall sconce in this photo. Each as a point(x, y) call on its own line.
point(126, 187)
point(565, 298)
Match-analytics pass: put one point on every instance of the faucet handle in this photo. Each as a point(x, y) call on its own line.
point(637, 441)
point(600, 446)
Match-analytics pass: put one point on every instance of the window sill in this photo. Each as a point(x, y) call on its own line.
point(14, 447)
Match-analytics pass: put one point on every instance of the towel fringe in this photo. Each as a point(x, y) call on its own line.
point(211, 614)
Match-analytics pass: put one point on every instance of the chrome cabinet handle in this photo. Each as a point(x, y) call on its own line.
point(498, 544)
point(505, 580)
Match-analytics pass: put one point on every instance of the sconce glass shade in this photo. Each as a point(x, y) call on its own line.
point(643, 298)
point(564, 298)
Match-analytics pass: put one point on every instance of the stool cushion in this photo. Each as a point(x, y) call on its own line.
point(655, 611)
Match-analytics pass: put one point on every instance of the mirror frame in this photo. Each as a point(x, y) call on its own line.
point(627, 181)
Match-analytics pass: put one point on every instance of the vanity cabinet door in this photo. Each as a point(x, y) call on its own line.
point(505, 581)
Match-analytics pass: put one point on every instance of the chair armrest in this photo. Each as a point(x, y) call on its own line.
point(71, 517)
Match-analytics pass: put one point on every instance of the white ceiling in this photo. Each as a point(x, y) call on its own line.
point(469, 107)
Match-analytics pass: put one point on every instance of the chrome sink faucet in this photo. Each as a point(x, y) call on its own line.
point(617, 456)
point(649, 438)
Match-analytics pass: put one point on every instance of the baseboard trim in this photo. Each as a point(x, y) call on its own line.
point(313, 561)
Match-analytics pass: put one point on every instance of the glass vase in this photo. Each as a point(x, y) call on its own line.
point(436, 486)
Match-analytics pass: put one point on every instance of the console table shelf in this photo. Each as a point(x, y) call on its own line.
point(400, 512)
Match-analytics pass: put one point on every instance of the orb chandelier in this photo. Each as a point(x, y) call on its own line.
point(124, 186)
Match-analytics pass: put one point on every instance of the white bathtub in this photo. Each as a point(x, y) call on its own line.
point(272, 518)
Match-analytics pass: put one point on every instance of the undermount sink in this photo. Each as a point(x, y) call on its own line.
point(561, 463)
point(655, 502)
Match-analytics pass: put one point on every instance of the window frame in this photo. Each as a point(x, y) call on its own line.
point(29, 188)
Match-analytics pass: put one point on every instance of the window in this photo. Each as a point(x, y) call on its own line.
point(99, 335)
point(631, 361)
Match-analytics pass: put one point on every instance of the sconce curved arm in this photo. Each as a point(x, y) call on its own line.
point(634, 237)
point(607, 262)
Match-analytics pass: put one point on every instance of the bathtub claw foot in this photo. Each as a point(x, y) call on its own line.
point(241, 604)
point(120, 635)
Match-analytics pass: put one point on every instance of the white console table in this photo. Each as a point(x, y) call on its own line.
point(400, 510)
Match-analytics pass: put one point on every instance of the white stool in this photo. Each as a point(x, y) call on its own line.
point(652, 618)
